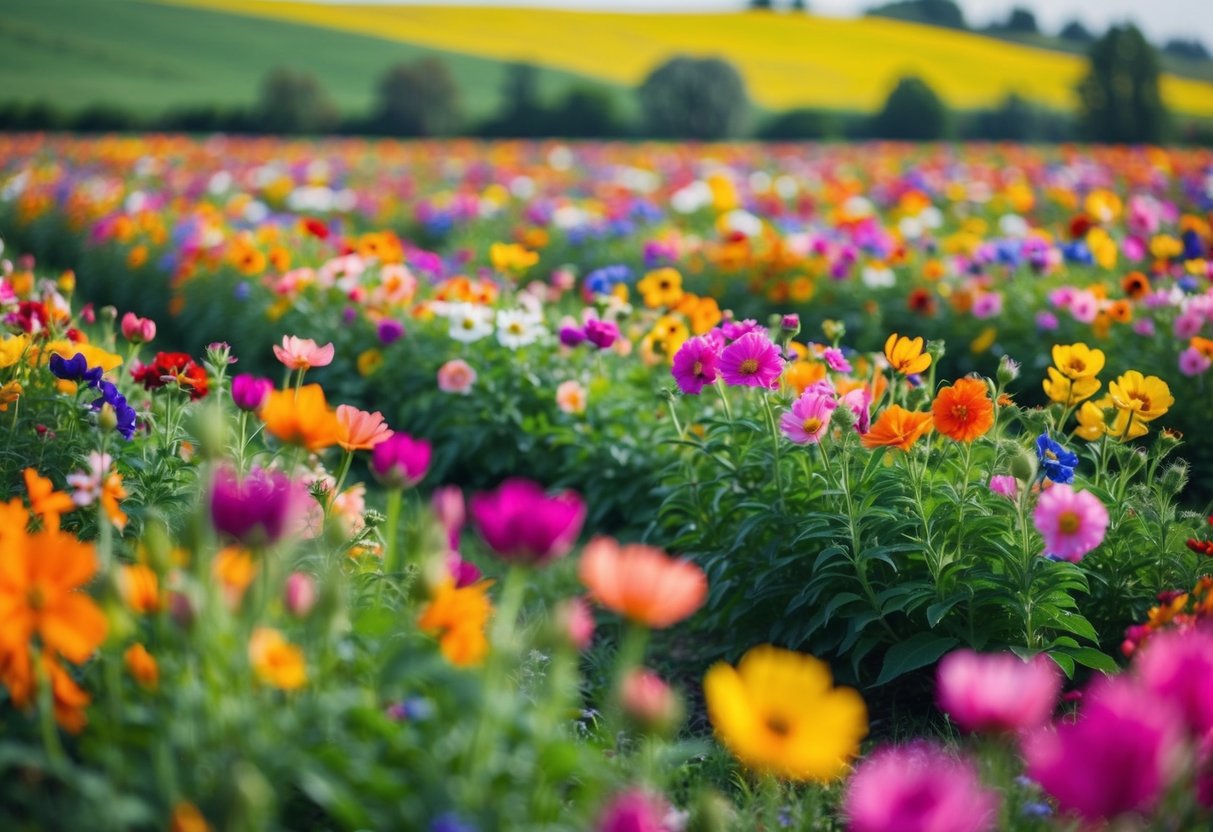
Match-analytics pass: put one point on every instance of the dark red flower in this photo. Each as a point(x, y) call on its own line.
point(168, 367)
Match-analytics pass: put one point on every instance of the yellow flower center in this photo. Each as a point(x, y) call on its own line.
point(697, 368)
point(812, 424)
point(468, 323)
point(1069, 522)
point(1142, 398)
point(515, 329)
point(749, 366)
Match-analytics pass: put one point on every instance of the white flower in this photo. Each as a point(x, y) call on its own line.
point(470, 322)
point(518, 328)
point(878, 277)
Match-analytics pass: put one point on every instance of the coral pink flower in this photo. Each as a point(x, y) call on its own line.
point(997, 692)
point(649, 701)
point(642, 583)
point(809, 418)
point(1178, 667)
point(751, 361)
point(302, 353)
point(138, 330)
point(1071, 522)
point(570, 397)
point(456, 376)
point(574, 620)
point(520, 522)
point(359, 430)
point(917, 788)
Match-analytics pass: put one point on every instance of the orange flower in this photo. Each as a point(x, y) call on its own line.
point(905, 355)
point(301, 417)
point(963, 412)
point(142, 666)
point(276, 661)
point(897, 428)
point(234, 569)
point(642, 583)
point(187, 818)
point(360, 430)
point(459, 616)
point(140, 588)
point(45, 501)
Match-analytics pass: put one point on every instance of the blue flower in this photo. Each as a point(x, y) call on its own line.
point(450, 822)
point(1057, 463)
point(75, 369)
point(123, 411)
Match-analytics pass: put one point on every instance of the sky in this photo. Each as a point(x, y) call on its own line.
point(1159, 19)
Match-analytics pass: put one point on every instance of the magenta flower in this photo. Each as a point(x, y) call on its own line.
point(859, 401)
point(997, 692)
point(635, 811)
point(732, 330)
point(1071, 522)
point(249, 392)
point(519, 521)
point(1193, 362)
point(916, 788)
point(400, 461)
point(836, 360)
point(1178, 667)
point(809, 417)
point(256, 510)
point(695, 365)
point(601, 334)
point(1005, 485)
point(1119, 756)
point(138, 330)
point(751, 361)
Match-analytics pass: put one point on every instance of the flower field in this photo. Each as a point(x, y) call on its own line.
point(463, 486)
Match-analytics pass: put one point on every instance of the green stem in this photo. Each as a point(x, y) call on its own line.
point(46, 716)
point(775, 443)
point(391, 530)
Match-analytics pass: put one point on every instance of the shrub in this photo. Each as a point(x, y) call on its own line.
point(694, 98)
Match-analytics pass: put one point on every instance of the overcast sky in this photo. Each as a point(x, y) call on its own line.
point(1160, 19)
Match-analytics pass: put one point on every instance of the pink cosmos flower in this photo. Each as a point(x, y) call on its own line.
point(1085, 306)
point(751, 361)
point(1187, 325)
point(1178, 666)
point(635, 810)
point(400, 461)
point(1005, 485)
point(695, 365)
point(918, 787)
point(1193, 362)
point(809, 418)
point(859, 401)
point(302, 353)
point(1071, 522)
point(1119, 756)
point(836, 360)
point(519, 521)
point(997, 692)
point(732, 330)
point(456, 376)
point(987, 305)
point(299, 594)
point(360, 430)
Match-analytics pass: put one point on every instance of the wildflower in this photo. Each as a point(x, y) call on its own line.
point(520, 522)
point(470, 322)
point(517, 328)
point(44, 501)
point(124, 416)
point(458, 616)
point(400, 461)
point(1178, 667)
point(570, 397)
point(303, 353)
point(249, 392)
point(1005, 485)
point(964, 411)
point(255, 510)
point(650, 702)
point(11, 349)
point(173, 367)
point(456, 376)
point(778, 712)
point(1075, 361)
point(187, 818)
point(1146, 397)
point(635, 810)
point(751, 361)
point(10, 392)
point(140, 588)
point(389, 331)
point(601, 334)
point(511, 257)
point(369, 362)
point(809, 417)
point(301, 417)
point(661, 288)
point(918, 787)
point(1193, 362)
point(360, 430)
point(997, 692)
point(275, 661)
point(1119, 755)
point(905, 355)
point(234, 568)
point(142, 666)
point(75, 369)
point(1058, 463)
point(299, 594)
point(138, 330)
point(694, 365)
point(642, 583)
point(1067, 391)
point(573, 620)
point(1071, 522)
point(835, 360)
point(859, 402)
point(100, 484)
point(897, 428)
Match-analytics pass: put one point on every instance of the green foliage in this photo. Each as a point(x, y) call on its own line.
point(944, 13)
point(1120, 97)
point(293, 101)
point(694, 98)
point(912, 111)
point(802, 123)
point(417, 99)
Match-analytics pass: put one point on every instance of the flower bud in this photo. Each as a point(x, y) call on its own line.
point(1175, 477)
point(137, 330)
point(790, 325)
point(650, 703)
point(1023, 466)
point(1008, 370)
point(833, 330)
point(300, 594)
point(573, 623)
point(937, 350)
point(107, 418)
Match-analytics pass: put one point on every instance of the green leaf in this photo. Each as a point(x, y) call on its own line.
point(1090, 657)
point(939, 609)
point(919, 651)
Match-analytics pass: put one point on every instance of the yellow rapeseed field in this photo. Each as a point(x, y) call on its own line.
point(786, 60)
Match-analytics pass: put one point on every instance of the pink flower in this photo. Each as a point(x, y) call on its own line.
point(1178, 667)
point(360, 430)
point(573, 619)
point(302, 353)
point(918, 787)
point(1119, 756)
point(1071, 522)
point(809, 418)
point(448, 507)
point(1187, 325)
point(649, 701)
point(859, 401)
point(836, 360)
point(1193, 362)
point(522, 523)
point(635, 811)
point(1005, 485)
point(751, 361)
point(997, 692)
point(570, 397)
point(456, 376)
point(987, 305)
point(300, 594)
point(400, 461)
point(695, 365)
point(138, 330)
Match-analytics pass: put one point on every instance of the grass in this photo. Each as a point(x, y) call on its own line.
point(147, 57)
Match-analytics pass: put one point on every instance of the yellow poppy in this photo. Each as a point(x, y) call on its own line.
point(1146, 397)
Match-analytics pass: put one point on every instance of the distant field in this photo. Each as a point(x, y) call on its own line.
point(787, 60)
point(147, 57)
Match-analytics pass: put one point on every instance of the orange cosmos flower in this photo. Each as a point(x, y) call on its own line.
point(360, 430)
point(458, 616)
point(234, 569)
point(276, 661)
point(963, 412)
point(301, 417)
point(140, 588)
point(897, 428)
point(45, 501)
point(905, 355)
point(642, 583)
point(142, 666)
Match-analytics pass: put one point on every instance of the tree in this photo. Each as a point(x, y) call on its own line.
point(1119, 98)
point(694, 98)
point(912, 111)
point(293, 101)
point(1021, 21)
point(521, 114)
point(1191, 49)
point(586, 112)
point(799, 124)
point(417, 99)
point(1075, 32)
point(931, 12)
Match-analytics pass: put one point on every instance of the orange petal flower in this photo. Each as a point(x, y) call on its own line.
point(142, 666)
point(905, 355)
point(301, 417)
point(642, 583)
point(963, 412)
point(276, 661)
point(140, 588)
point(45, 501)
point(458, 616)
point(360, 430)
point(897, 428)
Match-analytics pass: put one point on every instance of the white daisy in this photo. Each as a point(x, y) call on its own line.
point(470, 322)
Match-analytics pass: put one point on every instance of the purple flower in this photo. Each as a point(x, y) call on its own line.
point(390, 331)
point(735, 329)
point(249, 392)
point(695, 365)
point(571, 336)
point(601, 334)
point(1193, 362)
point(751, 361)
point(836, 360)
point(257, 509)
point(75, 369)
point(519, 521)
point(400, 461)
point(124, 414)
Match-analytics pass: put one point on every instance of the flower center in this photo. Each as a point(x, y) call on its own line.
point(697, 368)
point(778, 726)
point(1069, 522)
point(1142, 398)
point(811, 425)
point(960, 413)
point(34, 597)
point(1078, 366)
point(468, 323)
point(749, 366)
point(515, 329)
point(1049, 455)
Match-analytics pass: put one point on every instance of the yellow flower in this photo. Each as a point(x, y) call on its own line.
point(511, 257)
point(95, 356)
point(905, 355)
point(1091, 422)
point(1067, 391)
point(369, 361)
point(661, 287)
point(275, 660)
point(11, 350)
point(984, 340)
point(9, 393)
point(1077, 360)
point(778, 712)
point(1146, 397)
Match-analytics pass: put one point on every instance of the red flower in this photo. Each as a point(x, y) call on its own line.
point(173, 366)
